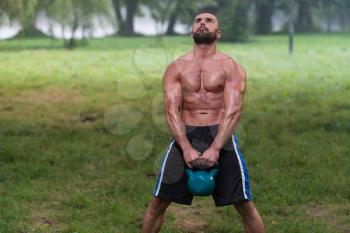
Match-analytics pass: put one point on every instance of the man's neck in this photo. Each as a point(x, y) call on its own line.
point(203, 51)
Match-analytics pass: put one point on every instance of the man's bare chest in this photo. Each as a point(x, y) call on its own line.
point(205, 77)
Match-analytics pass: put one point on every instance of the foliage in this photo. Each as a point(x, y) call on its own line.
point(76, 14)
point(233, 18)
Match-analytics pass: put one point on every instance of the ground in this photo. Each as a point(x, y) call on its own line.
point(82, 135)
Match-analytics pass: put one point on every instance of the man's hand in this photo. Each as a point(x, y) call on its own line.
point(209, 158)
point(190, 156)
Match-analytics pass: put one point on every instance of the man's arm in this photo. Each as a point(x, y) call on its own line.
point(172, 94)
point(233, 101)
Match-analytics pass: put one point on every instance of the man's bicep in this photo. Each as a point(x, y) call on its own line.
point(234, 88)
point(171, 88)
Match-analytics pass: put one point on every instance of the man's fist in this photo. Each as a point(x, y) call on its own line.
point(208, 159)
point(190, 155)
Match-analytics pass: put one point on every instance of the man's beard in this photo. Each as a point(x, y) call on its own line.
point(201, 37)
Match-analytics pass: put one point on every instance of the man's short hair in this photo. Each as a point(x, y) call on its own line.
point(211, 9)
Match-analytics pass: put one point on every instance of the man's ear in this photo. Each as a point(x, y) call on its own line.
point(218, 34)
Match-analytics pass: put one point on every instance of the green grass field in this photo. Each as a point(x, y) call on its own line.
point(82, 135)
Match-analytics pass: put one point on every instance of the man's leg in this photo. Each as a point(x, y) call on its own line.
point(154, 215)
point(252, 220)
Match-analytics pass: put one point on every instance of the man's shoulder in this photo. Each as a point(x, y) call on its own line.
point(185, 57)
point(227, 60)
point(230, 64)
point(225, 57)
point(222, 56)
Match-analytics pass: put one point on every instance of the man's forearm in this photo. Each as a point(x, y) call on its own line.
point(226, 127)
point(178, 129)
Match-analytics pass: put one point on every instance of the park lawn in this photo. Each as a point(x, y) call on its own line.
point(82, 135)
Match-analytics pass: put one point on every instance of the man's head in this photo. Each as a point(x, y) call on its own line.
point(205, 29)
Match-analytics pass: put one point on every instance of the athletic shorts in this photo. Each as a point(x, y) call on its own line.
point(231, 183)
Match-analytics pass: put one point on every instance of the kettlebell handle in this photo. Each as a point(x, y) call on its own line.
point(214, 172)
point(189, 171)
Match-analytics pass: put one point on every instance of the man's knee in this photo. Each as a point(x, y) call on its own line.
point(158, 206)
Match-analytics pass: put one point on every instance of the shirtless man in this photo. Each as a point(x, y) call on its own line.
point(203, 98)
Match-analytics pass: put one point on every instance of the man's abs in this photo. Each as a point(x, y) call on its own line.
point(202, 117)
point(202, 107)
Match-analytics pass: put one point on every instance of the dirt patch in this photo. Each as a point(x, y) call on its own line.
point(336, 215)
point(25, 104)
point(49, 95)
point(44, 219)
point(47, 217)
point(188, 218)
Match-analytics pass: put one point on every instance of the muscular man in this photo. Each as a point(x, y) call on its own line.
point(203, 98)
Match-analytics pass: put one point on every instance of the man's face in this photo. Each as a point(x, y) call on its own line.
point(205, 29)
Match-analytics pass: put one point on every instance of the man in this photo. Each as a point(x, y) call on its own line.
point(203, 98)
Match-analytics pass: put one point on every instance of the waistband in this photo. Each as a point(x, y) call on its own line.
point(201, 128)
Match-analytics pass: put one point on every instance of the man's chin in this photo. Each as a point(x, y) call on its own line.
point(204, 41)
point(204, 38)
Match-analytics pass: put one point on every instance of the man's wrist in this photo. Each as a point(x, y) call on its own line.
point(215, 146)
point(185, 145)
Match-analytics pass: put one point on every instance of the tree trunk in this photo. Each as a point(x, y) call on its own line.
point(264, 16)
point(130, 13)
point(304, 21)
point(291, 27)
point(71, 43)
point(117, 12)
point(171, 25)
point(31, 32)
point(329, 16)
point(347, 14)
point(343, 16)
point(29, 29)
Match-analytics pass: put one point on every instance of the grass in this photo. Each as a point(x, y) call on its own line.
point(82, 135)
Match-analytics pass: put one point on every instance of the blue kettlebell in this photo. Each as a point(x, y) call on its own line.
point(201, 182)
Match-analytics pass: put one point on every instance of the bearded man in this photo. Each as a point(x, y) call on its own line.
point(203, 99)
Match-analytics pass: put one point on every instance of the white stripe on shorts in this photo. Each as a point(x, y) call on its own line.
point(163, 167)
point(241, 166)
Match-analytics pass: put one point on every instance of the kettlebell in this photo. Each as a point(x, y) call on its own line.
point(201, 182)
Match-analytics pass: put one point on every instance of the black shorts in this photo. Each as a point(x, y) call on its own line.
point(231, 183)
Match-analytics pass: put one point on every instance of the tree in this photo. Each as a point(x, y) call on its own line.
point(233, 16)
point(125, 24)
point(344, 6)
point(264, 12)
point(161, 11)
point(75, 14)
point(335, 10)
point(7, 10)
point(25, 12)
point(304, 22)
